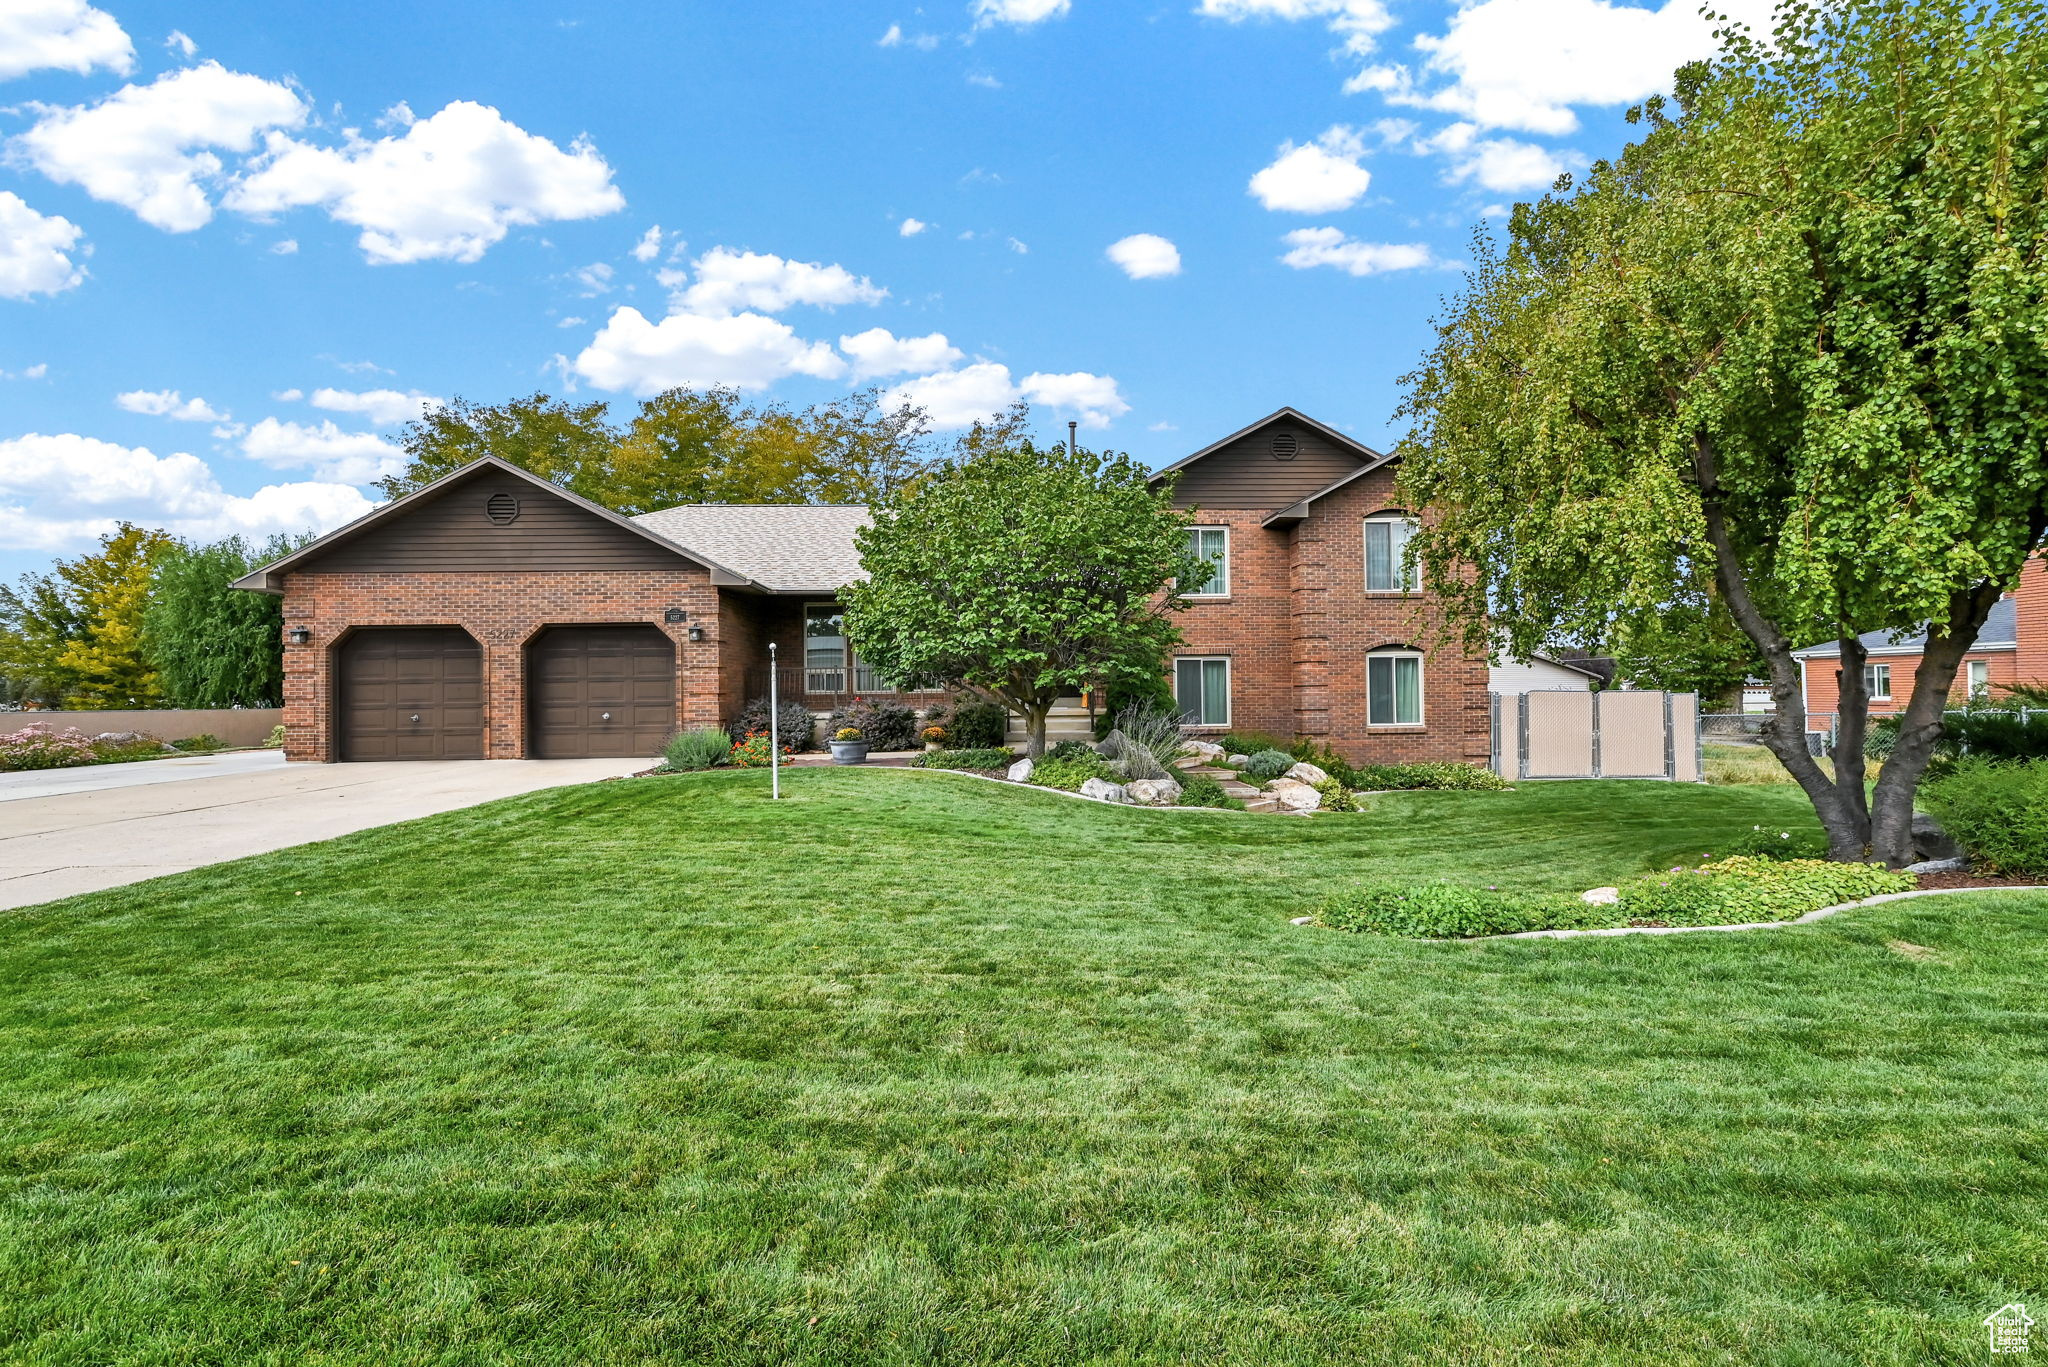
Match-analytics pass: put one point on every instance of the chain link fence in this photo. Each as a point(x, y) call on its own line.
point(1746, 728)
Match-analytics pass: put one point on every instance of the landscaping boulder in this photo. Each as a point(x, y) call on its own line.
point(1238, 761)
point(1293, 795)
point(1208, 750)
point(1020, 772)
point(1102, 790)
point(1601, 897)
point(1930, 841)
point(1153, 792)
point(1305, 772)
point(1955, 865)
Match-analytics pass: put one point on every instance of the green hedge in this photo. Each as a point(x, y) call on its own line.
point(1447, 911)
point(997, 758)
point(1374, 777)
point(1998, 812)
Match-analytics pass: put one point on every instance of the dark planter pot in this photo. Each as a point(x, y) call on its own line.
point(849, 751)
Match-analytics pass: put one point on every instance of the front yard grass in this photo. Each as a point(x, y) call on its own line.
point(914, 1068)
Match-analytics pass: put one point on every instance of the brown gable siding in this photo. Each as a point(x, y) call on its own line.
point(1244, 474)
point(450, 532)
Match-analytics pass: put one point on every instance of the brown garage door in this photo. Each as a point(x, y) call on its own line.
point(601, 692)
point(411, 693)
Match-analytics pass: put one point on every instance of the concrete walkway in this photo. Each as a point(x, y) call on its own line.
point(91, 778)
point(132, 825)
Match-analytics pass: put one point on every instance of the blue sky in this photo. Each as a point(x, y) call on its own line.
point(239, 244)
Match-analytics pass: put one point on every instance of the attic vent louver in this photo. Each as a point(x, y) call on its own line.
point(1286, 446)
point(502, 509)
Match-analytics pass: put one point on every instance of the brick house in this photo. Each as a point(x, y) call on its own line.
point(2012, 648)
point(493, 615)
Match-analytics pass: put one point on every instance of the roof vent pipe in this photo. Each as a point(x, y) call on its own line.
point(1071, 426)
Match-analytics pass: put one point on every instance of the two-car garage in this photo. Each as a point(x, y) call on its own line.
point(601, 691)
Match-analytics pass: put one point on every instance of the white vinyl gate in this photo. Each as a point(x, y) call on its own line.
point(1616, 733)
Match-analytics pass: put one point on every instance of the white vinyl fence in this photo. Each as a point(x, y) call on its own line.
point(1616, 733)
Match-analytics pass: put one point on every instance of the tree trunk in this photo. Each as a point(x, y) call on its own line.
point(1852, 725)
point(1034, 727)
point(1891, 830)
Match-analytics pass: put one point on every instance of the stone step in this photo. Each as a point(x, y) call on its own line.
point(1245, 791)
point(1263, 804)
point(1194, 763)
point(1211, 771)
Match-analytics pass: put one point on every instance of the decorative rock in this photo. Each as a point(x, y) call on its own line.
point(1238, 761)
point(1601, 897)
point(1020, 772)
point(1293, 795)
point(1102, 790)
point(1930, 841)
point(1305, 772)
point(1206, 749)
point(1153, 792)
point(1955, 865)
point(1302, 921)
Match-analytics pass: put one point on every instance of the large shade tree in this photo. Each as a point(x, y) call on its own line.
point(1789, 352)
point(1022, 574)
point(211, 644)
point(74, 636)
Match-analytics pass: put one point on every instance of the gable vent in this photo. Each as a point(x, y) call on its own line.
point(1286, 446)
point(502, 508)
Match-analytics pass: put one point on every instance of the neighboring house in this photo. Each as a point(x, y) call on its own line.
point(492, 615)
point(1308, 626)
point(1541, 674)
point(2012, 648)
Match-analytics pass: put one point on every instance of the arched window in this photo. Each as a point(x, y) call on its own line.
point(1386, 546)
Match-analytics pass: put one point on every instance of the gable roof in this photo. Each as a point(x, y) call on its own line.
point(781, 547)
point(2001, 632)
point(270, 578)
point(1350, 444)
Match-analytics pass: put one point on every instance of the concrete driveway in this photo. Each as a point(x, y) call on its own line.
point(68, 831)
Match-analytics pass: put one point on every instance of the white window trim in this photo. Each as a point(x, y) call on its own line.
point(1225, 592)
point(1869, 670)
point(1421, 690)
point(1365, 560)
point(1971, 668)
point(1229, 690)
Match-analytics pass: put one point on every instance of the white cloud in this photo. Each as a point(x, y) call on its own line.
point(1019, 12)
point(1145, 256)
point(896, 37)
point(332, 454)
point(62, 490)
point(728, 281)
point(68, 35)
point(1312, 247)
point(596, 278)
point(144, 146)
point(447, 188)
point(984, 80)
point(34, 372)
point(746, 350)
point(1523, 64)
point(181, 43)
point(35, 250)
point(362, 367)
point(287, 246)
point(1315, 178)
point(572, 322)
point(911, 227)
point(649, 245)
point(169, 403)
point(1358, 22)
point(1162, 426)
point(1018, 247)
point(962, 397)
point(381, 406)
point(893, 37)
point(1502, 164)
point(880, 352)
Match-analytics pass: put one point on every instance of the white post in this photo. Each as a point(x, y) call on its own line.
point(774, 731)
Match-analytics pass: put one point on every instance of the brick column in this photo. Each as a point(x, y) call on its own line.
point(1309, 586)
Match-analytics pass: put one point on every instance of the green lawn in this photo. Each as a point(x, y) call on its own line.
point(916, 1069)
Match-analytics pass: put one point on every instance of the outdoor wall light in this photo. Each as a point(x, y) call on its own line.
point(696, 633)
point(299, 636)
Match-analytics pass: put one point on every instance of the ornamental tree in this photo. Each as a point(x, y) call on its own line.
point(1022, 574)
point(1787, 353)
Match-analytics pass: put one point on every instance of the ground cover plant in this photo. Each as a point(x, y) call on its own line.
point(909, 1068)
point(994, 757)
point(34, 747)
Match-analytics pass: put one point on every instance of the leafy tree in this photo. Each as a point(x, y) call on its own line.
point(683, 446)
point(1787, 350)
point(75, 634)
point(1022, 574)
point(212, 645)
point(1690, 647)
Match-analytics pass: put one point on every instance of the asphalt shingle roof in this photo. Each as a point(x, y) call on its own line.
point(779, 546)
point(2001, 629)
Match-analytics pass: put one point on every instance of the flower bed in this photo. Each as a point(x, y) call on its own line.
point(34, 748)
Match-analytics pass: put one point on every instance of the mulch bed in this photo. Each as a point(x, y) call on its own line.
point(1966, 879)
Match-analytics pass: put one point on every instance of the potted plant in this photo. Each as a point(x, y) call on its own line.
point(849, 746)
point(934, 739)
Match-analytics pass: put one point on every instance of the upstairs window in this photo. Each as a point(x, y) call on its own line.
point(1213, 545)
point(1386, 546)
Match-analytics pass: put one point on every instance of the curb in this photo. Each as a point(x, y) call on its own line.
point(1808, 919)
